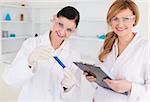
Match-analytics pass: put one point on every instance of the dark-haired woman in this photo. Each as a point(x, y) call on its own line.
point(36, 67)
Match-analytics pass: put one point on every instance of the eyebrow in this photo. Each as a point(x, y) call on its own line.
point(124, 16)
point(68, 28)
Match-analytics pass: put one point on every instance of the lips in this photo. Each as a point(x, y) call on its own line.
point(120, 29)
point(59, 34)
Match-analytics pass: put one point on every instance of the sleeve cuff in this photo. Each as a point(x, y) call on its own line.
point(32, 68)
point(73, 93)
point(136, 92)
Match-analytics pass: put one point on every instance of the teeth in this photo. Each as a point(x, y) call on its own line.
point(120, 29)
point(58, 34)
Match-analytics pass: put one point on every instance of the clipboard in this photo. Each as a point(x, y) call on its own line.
point(94, 71)
point(97, 72)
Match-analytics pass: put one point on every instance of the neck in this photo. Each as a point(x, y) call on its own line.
point(125, 40)
point(54, 42)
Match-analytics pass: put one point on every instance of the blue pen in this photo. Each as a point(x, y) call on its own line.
point(59, 62)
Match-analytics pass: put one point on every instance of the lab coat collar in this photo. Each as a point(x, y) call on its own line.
point(63, 45)
point(130, 46)
point(46, 42)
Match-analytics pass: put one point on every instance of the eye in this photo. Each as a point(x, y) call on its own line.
point(60, 24)
point(126, 18)
point(114, 19)
point(69, 30)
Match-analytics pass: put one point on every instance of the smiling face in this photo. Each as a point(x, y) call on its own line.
point(62, 28)
point(123, 22)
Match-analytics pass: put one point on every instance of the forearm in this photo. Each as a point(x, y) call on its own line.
point(17, 74)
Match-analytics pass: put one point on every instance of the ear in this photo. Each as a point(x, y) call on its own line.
point(54, 18)
point(134, 20)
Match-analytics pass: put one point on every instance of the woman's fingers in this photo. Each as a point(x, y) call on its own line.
point(91, 78)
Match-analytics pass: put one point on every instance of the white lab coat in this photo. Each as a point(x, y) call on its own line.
point(42, 84)
point(133, 64)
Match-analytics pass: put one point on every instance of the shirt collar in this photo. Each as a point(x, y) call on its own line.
point(115, 46)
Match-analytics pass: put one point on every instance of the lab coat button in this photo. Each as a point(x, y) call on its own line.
point(93, 100)
point(49, 90)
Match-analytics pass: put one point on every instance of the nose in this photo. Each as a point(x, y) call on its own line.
point(120, 23)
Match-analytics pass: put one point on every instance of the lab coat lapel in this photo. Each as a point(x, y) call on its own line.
point(120, 63)
point(127, 53)
point(55, 69)
point(63, 52)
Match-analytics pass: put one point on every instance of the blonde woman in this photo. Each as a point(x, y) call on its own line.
point(125, 55)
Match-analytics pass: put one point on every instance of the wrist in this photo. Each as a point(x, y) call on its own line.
point(130, 87)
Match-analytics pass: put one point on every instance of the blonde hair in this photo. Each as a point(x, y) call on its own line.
point(114, 9)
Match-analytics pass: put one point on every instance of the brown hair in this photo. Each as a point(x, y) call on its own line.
point(114, 9)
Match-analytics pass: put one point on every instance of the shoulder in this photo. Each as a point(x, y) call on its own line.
point(29, 42)
point(140, 42)
point(142, 46)
point(36, 41)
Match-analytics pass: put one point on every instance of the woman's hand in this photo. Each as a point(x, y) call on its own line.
point(90, 78)
point(69, 80)
point(39, 53)
point(119, 85)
